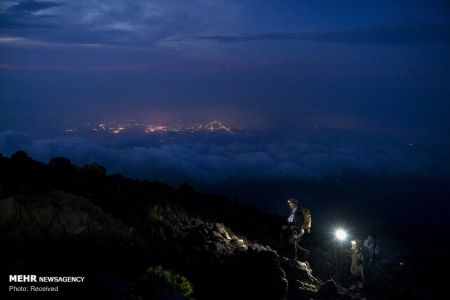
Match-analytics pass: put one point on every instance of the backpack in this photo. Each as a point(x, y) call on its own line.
point(307, 219)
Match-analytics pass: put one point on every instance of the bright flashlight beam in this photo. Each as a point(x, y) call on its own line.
point(341, 234)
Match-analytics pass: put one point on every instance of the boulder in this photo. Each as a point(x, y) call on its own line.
point(56, 214)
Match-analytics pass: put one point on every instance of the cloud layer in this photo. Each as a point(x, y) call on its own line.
point(117, 22)
point(151, 23)
point(230, 159)
point(414, 33)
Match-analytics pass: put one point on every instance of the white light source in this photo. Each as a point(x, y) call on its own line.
point(341, 234)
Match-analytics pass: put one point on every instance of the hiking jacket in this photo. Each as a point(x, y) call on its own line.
point(295, 218)
point(370, 251)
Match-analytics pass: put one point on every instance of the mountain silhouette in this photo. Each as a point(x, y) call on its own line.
point(134, 239)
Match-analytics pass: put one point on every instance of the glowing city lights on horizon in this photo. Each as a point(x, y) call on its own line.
point(214, 126)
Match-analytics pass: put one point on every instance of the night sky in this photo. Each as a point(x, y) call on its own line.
point(318, 87)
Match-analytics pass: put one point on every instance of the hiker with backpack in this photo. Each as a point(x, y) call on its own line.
point(298, 221)
point(371, 250)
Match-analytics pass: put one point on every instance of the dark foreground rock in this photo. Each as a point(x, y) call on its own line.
point(79, 221)
point(59, 231)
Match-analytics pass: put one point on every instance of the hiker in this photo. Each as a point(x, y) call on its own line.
point(293, 230)
point(356, 268)
point(371, 250)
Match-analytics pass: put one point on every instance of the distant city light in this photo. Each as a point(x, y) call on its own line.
point(154, 128)
point(114, 128)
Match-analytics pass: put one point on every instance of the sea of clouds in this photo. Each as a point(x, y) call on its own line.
point(213, 160)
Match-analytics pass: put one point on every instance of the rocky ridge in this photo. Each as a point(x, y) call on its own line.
point(83, 232)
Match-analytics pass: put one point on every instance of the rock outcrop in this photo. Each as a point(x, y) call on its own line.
point(55, 215)
point(64, 218)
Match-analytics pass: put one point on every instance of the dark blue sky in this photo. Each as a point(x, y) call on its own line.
point(378, 69)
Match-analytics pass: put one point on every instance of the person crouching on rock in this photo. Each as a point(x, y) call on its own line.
point(293, 230)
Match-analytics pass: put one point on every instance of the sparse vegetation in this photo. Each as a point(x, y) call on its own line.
point(154, 214)
point(174, 282)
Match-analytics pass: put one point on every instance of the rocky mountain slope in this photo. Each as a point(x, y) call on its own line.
point(58, 218)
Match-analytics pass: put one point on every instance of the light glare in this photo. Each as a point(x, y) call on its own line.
point(341, 234)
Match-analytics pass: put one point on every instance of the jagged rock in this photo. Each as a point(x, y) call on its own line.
point(8, 210)
point(217, 234)
point(212, 243)
point(247, 268)
point(302, 284)
point(328, 290)
point(57, 214)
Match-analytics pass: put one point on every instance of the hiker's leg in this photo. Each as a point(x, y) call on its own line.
point(295, 250)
